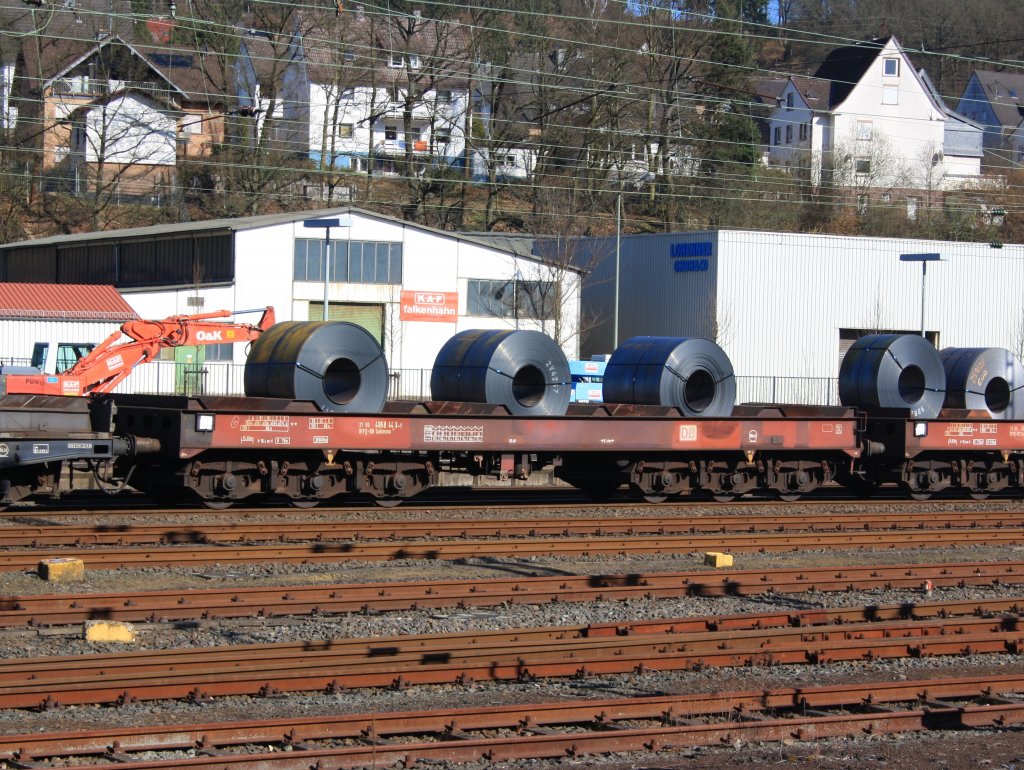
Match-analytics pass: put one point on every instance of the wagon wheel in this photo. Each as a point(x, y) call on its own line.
point(789, 497)
point(980, 495)
point(723, 497)
point(655, 499)
point(218, 505)
point(922, 496)
point(303, 502)
point(387, 502)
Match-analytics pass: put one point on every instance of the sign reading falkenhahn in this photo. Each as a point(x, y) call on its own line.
point(690, 257)
point(440, 306)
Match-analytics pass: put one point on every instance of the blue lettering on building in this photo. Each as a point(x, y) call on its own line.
point(691, 265)
point(702, 249)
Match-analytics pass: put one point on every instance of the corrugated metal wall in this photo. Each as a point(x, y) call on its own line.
point(776, 301)
point(783, 298)
point(17, 337)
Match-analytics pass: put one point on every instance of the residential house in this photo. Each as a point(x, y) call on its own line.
point(869, 122)
point(87, 65)
point(993, 99)
point(382, 93)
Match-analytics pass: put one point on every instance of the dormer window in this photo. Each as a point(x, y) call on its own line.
point(891, 68)
point(789, 100)
point(396, 61)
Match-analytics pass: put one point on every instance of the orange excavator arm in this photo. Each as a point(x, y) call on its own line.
point(111, 361)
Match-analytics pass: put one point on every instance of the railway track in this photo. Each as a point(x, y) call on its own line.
point(543, 730)
point(156, 606)
point(332, 552)
point(811, 636)
point(35, 535)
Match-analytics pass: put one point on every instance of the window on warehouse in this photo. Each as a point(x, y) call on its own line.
point(529, 300)
point(350, 261)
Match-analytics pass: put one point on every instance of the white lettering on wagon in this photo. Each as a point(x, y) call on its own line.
point(453, 434)
point(687, 432)
point(264, 423)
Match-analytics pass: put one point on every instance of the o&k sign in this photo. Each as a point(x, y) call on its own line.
point(440, 306)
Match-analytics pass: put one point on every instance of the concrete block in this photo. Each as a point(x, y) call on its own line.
point(717, 559)
point(108, 631)
point(63, 570)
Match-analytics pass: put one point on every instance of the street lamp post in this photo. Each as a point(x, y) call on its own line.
point(618, 256)
point(924, 259)
point(327, 224)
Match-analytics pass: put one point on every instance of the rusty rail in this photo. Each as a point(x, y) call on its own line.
point(581, 725)
point(34, 535)
point(192, 555)
point(54, 609)
point(518, 654)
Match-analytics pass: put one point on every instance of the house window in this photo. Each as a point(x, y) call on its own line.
point(862, 204)
point(390, 133)
point(885, 197)
point(443, 97)
point(778, 135)
point(396, 61)
point(349, 56)
point(348, 95)
point(509, 161)
point(789, 100)
point(442, 135)
point(890, 95)
point(862, 166)
point(414, 61)
point(804, 131)
point(891, 67)
point(912, 208)
point(345, 130)
point(395, 95)
point(864, 129)
point(789, 135)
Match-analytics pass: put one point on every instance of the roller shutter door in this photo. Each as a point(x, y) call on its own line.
point(370, 317)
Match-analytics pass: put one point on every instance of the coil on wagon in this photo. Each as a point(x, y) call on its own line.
point(335, 364)
point(988, 379)
point(694, 375)
point(523, 370)
point(893, 371)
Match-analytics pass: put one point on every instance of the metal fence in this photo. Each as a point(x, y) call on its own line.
point(226, 379)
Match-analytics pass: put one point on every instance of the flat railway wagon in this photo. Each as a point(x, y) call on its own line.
point(315, 425)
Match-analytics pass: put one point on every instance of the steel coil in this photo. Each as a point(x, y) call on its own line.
point(987, 379)
point(337, 365)
point(893, 371)
point(694, 375)
point(522, 370)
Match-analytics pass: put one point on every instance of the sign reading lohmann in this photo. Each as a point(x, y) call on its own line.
point(430, 306)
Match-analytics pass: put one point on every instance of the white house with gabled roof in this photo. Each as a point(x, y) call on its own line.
point(868, 119)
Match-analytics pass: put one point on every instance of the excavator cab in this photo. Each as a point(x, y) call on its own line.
point(55, 359)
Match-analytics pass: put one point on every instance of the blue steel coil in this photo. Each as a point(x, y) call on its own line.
point(986, 379)
point(694, 375)
point(522, 370)
point(335, 364)
point(893, 371)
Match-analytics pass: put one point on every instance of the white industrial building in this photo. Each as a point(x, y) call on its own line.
point(412, 287)
point(786, 306)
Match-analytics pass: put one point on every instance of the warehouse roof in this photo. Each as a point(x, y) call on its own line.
point(233, 224)
point(63, 301)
